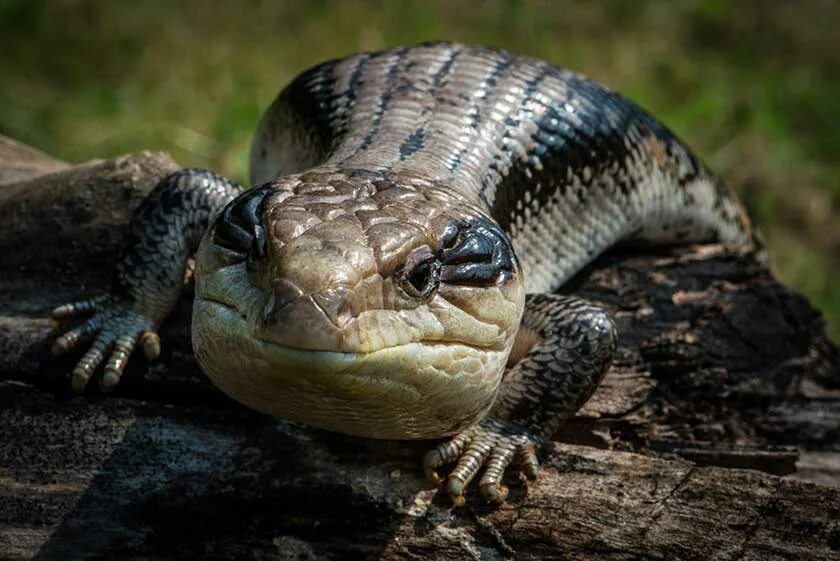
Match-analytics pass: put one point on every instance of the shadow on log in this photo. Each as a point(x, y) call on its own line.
point(725, 384)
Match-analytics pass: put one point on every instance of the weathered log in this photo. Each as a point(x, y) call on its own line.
point(720, 369)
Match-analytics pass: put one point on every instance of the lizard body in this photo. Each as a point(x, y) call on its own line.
point(392, 274)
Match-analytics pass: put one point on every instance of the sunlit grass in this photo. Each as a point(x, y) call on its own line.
point(753, 86)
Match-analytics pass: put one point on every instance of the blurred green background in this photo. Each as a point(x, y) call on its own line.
point(753, 86)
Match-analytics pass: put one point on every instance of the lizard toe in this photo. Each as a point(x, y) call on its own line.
point(78, 308)
point(526, 458)
point(116, 327)
point(445, 453)
point(117, 361)
point(493, 445)
point(494, 470)
point(73, 337)
point(86, 367)
point(468, 466)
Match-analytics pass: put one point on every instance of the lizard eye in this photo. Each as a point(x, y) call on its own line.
point(239, 225)
point(420, 276)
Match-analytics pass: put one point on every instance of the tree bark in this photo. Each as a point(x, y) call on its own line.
point(724, 383)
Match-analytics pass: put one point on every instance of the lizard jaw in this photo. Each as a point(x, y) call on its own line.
point(414, 390)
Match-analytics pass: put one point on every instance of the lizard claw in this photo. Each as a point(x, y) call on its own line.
point(492, 444)
point(116, 328)
point(151, 345)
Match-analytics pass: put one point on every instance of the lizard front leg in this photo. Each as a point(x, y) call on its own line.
point(568, 344)
point(164, 233)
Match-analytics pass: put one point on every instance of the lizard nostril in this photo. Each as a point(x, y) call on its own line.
point(281, 294)
point(239, 227)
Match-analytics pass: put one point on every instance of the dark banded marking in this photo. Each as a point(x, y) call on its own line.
point(311, 99)
point(344, 102)
point(412, 144)
point(557, 138)
point(487, 86)
point(489, 182)
point(392, 77)
point(565, 148)
point(446, 68)
point(351, 91)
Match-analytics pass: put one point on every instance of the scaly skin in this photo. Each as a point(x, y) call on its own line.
point(375, 283)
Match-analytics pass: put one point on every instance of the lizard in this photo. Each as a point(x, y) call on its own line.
point(392, 273)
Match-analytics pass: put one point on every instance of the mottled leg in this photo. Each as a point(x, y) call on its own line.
point(164, 233)
point(563, 349)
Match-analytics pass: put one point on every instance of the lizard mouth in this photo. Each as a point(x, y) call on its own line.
point(413, 390)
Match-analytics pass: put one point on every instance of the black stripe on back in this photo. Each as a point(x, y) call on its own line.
point(475, 111)
point(531, 88)
point(351, 92)
point(391, 81)
point(310, 96)
point(413, 143)
point(609, 136)
point(446, 67)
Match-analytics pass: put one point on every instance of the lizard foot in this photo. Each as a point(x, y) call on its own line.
point(493, 444)
point(116, 328)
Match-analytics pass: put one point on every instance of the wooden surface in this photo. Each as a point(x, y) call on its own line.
point(724, 384)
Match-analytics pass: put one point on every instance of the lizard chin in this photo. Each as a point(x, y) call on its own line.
point(407, 391)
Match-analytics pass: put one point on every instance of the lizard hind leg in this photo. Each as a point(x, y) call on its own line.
point(569, 343)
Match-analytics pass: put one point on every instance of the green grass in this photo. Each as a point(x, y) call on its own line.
point(753, 86)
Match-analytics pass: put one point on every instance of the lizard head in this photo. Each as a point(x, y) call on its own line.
point(373, 304)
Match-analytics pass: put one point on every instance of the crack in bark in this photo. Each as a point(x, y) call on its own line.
point(758, 520)
point(660, 507)
point(503, 547)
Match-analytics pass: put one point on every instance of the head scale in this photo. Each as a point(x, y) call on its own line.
point(363, 302)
